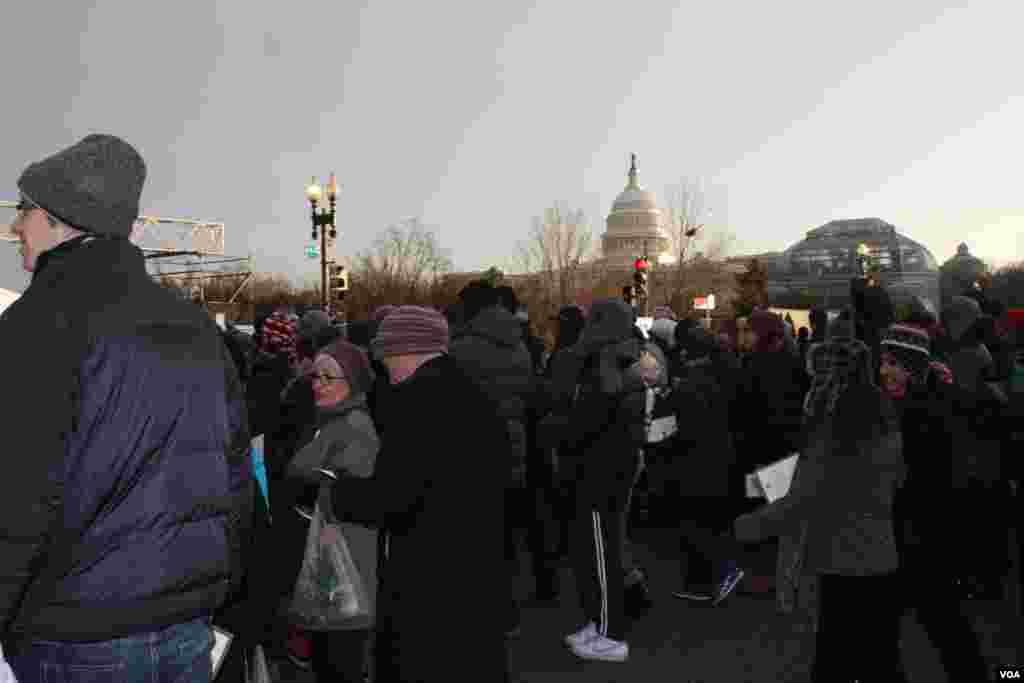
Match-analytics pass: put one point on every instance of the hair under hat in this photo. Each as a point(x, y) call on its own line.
point(94, 185)
point(411, 330)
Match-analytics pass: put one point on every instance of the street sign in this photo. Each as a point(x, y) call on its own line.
point(704, 303)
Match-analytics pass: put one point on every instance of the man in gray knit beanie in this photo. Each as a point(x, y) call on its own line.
point(131, 396)
point(91, 188)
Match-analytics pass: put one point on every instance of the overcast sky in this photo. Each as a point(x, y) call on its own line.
point(475, 116)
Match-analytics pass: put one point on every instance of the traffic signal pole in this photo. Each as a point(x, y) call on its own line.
point(641, 268)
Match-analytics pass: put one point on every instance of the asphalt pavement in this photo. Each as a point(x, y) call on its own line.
point(745, 639)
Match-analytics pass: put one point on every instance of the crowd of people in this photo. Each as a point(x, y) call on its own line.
point(444, 443)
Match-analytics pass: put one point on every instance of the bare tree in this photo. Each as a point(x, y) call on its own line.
point(558, 244)
point(688, 215)
point(403, 265)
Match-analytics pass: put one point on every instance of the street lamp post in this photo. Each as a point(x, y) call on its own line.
point(323, 218)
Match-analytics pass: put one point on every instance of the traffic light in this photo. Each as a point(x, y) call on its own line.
point(641, 265)
point(339, 282)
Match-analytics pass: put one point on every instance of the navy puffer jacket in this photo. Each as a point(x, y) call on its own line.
point(127, 442)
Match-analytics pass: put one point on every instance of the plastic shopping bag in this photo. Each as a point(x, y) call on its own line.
point(256, 668)
point(6, 672)
point(329, 593)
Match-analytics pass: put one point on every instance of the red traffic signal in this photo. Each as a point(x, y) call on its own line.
point(641, 264)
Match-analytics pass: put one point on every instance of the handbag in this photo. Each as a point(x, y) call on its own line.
point(329, 591)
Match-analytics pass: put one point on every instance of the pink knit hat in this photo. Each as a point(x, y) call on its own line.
point(382, 312)
point(411, 330)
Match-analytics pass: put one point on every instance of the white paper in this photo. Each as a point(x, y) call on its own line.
point(775, 479)
point(753, 489)
point(6, 673)
point(221, 643)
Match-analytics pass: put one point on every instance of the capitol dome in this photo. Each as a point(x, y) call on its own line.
point(635, 223)
point(637, 199)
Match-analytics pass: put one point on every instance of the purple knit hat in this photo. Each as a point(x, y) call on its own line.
point(382, 312)
point(411, 330)
point(354, 364)
point(664, 313)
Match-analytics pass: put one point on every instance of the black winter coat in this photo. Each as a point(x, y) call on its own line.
point(440, 498)
point(705, 462)
point(767, 412)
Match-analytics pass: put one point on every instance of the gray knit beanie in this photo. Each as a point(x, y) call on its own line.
point(959, 315)
point(94, 185)
point(312, 324)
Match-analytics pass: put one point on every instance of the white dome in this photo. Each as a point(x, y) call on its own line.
point(637, 199)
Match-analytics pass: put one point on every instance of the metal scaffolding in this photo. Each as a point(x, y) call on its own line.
point(199, 243)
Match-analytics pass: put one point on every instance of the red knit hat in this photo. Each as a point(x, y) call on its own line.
point(411, 330)
point(278, 336)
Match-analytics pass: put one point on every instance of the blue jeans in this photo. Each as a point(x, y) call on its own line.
point(178, 654)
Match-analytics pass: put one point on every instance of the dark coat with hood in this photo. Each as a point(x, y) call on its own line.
point(128, 422)
point(767, 412)
point(605, 425)
point(490, 349)
point(433, 493)
point(705, 463)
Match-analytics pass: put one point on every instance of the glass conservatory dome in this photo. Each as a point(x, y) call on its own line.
point(823, 263)
point(831, 250)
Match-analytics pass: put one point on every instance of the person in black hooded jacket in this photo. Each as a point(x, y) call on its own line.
point(601, 433)
point(560, 381)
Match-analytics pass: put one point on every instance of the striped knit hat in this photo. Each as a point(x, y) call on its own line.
point(910, 345)
point(382, 312)
point(279, 335)
point(411, 330)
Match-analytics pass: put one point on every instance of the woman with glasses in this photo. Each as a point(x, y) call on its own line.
point(342, 436)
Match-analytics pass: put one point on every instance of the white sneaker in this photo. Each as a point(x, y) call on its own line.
point(587, 633)
point(602, 649)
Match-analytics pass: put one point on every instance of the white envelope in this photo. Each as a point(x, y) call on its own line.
point(753, 488)
point(775, 479)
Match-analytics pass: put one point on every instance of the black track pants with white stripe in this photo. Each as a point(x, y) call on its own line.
point(597, 563)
